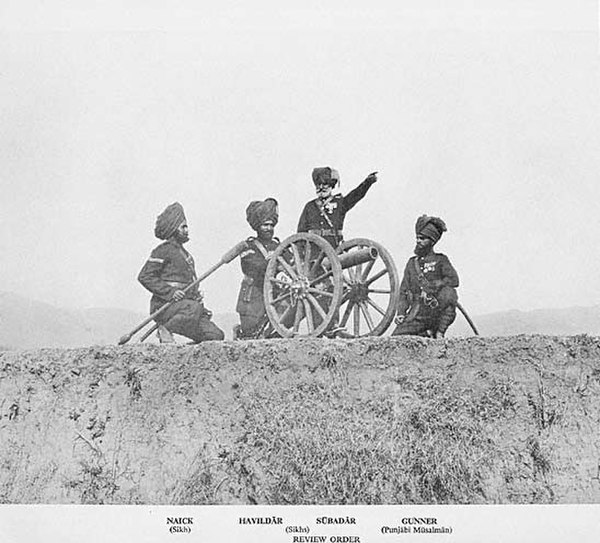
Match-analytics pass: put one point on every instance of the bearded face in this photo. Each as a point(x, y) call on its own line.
point(323, 190)
point(182, 235)
point(423, 245)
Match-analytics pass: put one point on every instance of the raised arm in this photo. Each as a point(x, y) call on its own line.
point(357, 194)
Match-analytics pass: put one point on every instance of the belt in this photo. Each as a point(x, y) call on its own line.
point(177, 284)
point(325, 232)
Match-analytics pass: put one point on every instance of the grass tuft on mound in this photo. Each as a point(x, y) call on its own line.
point(426, 443)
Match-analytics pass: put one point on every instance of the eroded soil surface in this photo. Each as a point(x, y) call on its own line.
point(375, 420)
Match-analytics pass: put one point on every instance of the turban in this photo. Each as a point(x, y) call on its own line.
point(258, 213)
point(326, 175)
point(169, 221)
point(430, 227)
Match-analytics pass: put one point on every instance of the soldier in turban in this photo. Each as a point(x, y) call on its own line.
point(168, 271)
point(428, 298)
point(262, 216)
point(325, 214)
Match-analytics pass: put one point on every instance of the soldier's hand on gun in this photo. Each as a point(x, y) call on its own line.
point(178, 295)
point(399, 319)
point(372, 177)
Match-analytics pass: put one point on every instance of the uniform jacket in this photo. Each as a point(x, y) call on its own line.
point(335, 209)
point(254, 264)
point(168, 263)
point(436, 269)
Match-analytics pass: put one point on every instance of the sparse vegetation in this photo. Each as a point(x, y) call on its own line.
point(375, 421)
point(320, 446)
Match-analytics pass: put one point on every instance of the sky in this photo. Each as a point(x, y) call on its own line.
point(485, 113)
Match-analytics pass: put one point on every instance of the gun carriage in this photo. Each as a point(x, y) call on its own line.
point(311, 289)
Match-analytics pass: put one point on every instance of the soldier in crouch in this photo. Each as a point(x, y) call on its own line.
point(168, 271)
point(325, 214)
point(262, 217)
point(428, 298)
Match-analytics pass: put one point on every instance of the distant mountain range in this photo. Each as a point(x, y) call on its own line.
point(568, 321)
point(27, 324)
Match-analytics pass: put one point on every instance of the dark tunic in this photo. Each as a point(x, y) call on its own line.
point(250, 303)
point(170, 268)
point(436, 269)
point(313, 215)
point(438, 310)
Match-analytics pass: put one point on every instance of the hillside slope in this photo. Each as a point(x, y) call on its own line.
point(26, 324)
point(377, 420)
point(29, 324)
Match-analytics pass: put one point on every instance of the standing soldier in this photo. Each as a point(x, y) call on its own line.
point(325, 214)
point(428, 298)
point(262, 217)
point(168, 271)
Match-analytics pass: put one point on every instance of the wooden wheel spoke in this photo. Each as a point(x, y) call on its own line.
point(346, 314)
point(279, 282)
point(354, 273)
point(365, 311)
point(320, 292)
point(356, 317)
point(375, 307)
point(281, 298)
point(378, 275)
point(317, 306)
point(358, 272)
point(317, 262)
point(286, 314)
point(345, 297)
point(298, 317)
point(287, 268)
point(367, 270)
point(307, 254)
point(320, 278)
point(297, 259)
point(379, 291)
point(309, 316)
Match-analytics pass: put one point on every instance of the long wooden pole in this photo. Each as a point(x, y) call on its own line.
point(225, 259)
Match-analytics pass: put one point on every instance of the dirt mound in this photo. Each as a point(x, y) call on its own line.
point(376, 420)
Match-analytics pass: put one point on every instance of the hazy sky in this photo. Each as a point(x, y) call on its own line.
point(486, 113)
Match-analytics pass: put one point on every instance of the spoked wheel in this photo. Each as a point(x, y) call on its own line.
point(371, 291)
point(303, 286)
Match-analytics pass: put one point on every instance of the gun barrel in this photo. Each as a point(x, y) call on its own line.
point(354, 258)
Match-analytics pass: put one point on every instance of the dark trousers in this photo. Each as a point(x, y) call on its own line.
point(189, 318)
point(428, 321)
point(251, 324)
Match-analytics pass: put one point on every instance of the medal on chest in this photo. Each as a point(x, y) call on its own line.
point(330, 206)
point(428, 267)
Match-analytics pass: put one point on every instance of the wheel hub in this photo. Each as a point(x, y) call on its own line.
point(359, 292)
point(300, 287)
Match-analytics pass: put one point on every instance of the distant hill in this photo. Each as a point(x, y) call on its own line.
point(556, 322)
point(26, 324)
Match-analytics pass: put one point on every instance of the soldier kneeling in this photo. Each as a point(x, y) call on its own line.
point(428, 295)
point(167, 274)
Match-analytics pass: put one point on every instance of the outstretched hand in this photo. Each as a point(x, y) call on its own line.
point(372, 177)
